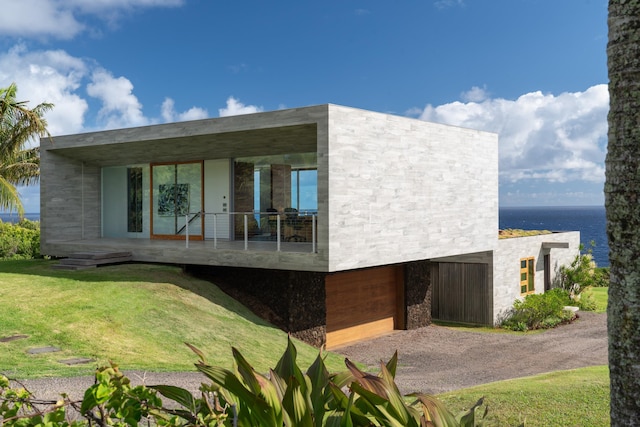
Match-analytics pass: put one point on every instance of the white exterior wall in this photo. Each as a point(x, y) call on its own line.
point(506, 266)
point(403, 189)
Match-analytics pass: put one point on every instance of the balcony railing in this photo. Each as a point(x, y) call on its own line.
point(279, 228)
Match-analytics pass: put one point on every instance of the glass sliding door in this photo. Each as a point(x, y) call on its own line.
point(176, 201)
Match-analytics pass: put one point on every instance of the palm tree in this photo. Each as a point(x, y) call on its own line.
point(19, 164)
point(622, 201)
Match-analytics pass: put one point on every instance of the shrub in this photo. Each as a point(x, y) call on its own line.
point(20, 241)
point(539, 311)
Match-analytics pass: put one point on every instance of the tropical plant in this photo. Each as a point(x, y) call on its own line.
point(623, 210)
point(289, 397)
point(582, 273)
point(19, 164)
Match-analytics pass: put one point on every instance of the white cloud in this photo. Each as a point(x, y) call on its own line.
point(443, 4)
point(120, 107)
point(48, 76)
point(55, 76)
point(542, 136)
point(65, 19)
point(235, 107)
point(475, 94)
point(169, 114)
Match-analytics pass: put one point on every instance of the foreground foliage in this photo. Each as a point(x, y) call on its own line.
point(243, 397)
point(20, 241)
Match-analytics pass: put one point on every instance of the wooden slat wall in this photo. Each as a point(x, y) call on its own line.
point(461, 293)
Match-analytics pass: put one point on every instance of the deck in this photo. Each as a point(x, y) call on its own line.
point(256, 254)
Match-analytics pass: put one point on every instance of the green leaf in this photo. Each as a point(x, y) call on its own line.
point(179, 395)
point(297, 406)
point(468, 418)
point(246, 371)
point(199, 353)
point(249, 404)
point(392, 364)
point(370, 382)
point(89, 401)
point(319, 395)
point(435, 411)
point(287, 367)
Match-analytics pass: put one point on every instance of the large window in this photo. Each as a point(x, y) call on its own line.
point(304, 190)
point(276, 182)
point(176, 200)
point(134, 200)
point(527, 274)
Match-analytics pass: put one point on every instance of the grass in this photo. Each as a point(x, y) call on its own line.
point(577, 397)
point(136, 315)
point(601, 296)
point(509, 233)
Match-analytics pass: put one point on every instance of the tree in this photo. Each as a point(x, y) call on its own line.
point(622, 201)
point(19, 164)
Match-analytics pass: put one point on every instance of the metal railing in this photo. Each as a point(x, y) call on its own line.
point(266, 227)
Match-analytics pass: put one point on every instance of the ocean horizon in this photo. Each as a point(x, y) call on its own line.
point(590, 221)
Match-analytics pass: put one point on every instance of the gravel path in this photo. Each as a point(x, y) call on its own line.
point(433, 359)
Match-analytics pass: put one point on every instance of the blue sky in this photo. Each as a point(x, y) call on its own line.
point(532, 70)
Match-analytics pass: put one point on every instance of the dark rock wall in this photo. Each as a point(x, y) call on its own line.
point(417, 288)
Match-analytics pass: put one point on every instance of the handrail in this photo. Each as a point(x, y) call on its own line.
point(245, 226)
point(187, 222)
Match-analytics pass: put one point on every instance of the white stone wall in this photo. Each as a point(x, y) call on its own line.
point(506, 265)
point(402, 189)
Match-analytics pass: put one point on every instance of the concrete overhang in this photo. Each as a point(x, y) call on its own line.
point(555, 245)
point(271, 133)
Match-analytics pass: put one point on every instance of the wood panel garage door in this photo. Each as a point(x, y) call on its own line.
point(363, 304)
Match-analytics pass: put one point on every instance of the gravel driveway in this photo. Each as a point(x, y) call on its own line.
point(436, 359)
point(433, 359)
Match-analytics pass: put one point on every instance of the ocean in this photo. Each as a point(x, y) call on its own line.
point(590, 221)
point(13, 217)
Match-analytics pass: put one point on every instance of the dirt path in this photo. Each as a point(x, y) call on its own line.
point(432, 360)
point(436, 359)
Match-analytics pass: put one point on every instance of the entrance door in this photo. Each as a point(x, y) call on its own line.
point(547, 272)
point(176, 200)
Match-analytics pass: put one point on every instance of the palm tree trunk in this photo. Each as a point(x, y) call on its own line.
point(622, 201)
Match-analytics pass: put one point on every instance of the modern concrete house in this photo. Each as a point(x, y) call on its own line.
point(345, 223)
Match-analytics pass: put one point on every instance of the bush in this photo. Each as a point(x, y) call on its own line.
point(539, 311)
point(243, 397)
point(582, 273)
point(20, 241)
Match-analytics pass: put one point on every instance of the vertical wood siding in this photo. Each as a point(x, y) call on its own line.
point(461, 293)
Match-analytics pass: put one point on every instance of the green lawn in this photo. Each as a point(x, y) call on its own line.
point(601, 296)
point(136, 315)
point(577, 397)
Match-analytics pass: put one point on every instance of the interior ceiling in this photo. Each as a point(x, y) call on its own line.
point(264, 141)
